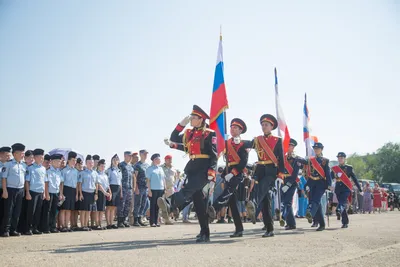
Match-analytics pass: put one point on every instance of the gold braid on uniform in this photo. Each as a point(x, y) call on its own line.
point(185, 145)
point(202, 129)
point(260, 151)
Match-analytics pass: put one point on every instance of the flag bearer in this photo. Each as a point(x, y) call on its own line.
point(237, 161)
point(270, 165)
point(319, 180)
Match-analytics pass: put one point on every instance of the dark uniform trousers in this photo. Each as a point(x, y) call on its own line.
point(342, 194)
point(22, 223)
point(317, 190)
point(287, 200)
point(1, 208)
point(34, 211)
point(228, 197)
point(266, 184)
point(12, 209)
point(49, 213)
point(193, 190)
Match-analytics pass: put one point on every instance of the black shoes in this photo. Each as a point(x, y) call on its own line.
point(236, 234)
point(268, 234)
point(288, 227)
point(203, 239)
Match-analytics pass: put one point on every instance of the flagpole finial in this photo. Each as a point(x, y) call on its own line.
point(220, 32)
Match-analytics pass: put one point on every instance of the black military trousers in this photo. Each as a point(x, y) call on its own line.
point(228, 197)
point(34, 210)
point(12, 209)
point(1, 208)
point(265, 185)
point(193, 190)
point(22, 223)
point(49, 212)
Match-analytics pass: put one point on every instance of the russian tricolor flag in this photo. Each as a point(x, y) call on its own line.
point(219, 103)
point(308, 139)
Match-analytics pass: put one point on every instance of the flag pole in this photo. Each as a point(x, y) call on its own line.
point(278, 210)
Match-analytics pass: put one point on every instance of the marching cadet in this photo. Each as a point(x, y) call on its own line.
point(114, 176)
point(293, 164)
point(5, 156)
point(200, 144)
point(237, 161)
point(342, 173)
point(270, 165)
point(104, 193)
point(68, 192)
point(128, 184)
point(52, 189)
point(13, 178)
point(319, 180)
point(34, 192)
point(88, 191)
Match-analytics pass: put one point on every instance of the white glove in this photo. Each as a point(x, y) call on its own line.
point(210, 178)
point(307, 188)
point(228, 177)
point(285, 188)
point(185, 121)
point(166, 141)
point(279, 180)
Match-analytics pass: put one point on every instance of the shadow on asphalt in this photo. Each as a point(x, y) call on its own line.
point(130, 245)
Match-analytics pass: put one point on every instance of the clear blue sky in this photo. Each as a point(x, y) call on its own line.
point(106, 76)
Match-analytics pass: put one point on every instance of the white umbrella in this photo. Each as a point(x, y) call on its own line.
point(64, 152)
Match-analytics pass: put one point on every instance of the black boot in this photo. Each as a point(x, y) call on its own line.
point(120, 222)
point(136, 222)
point(236, 234)
point(338, 215)
point(268, 234)
point(321, 228)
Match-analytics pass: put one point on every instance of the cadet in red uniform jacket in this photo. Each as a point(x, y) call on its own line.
point(237, 161)
point(200, 144)
point(270, 165)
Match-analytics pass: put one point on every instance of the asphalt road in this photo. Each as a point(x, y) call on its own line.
point(370, 240)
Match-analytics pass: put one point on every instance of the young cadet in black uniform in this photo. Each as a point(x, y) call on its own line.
point(343, 173)
point(13, 178)
point(237, 157)
point(318, 180)
point(200, 144)
point(270, 165)
point(293, 164)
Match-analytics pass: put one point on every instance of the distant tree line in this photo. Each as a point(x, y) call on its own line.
point(381, 166)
